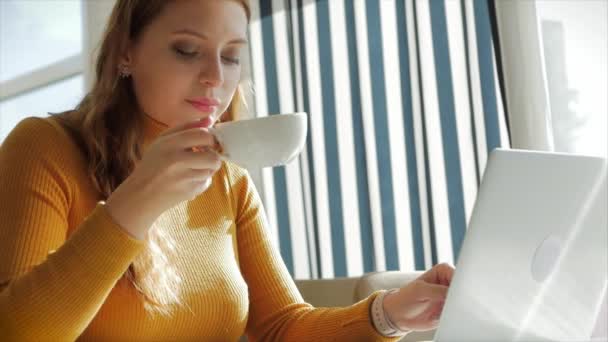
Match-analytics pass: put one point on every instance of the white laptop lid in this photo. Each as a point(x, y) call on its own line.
point(600, 332)
point(533, 210)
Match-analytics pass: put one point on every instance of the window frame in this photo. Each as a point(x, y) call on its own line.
point(93, 18)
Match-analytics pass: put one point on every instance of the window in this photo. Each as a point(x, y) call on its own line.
point(53, 98)
point(40, 58)
point(575, 43)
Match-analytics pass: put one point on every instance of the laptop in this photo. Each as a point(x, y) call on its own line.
point(534, 262)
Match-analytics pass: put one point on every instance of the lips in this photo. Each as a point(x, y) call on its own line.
point(205, 105)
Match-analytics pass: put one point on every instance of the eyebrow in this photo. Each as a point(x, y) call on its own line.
point(205, 37)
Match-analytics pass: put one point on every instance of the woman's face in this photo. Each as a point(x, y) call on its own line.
point(186, 63)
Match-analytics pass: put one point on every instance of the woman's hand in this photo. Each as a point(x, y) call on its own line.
point(176, 167)
point(418, 305)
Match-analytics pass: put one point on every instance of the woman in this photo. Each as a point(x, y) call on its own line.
point(119, 222)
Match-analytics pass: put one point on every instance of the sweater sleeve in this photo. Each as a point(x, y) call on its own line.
point(277, 311)
point(51, 285)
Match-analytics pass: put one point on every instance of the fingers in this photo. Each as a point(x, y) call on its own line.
point(440, 274)
point(197, 182)
point(447, 273)
point(194, 176)
point(435, 315)
point(207, 160)
point(192, 137)
point(426, 291)
point(202, 123)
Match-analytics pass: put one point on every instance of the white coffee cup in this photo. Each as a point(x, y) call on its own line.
point(268, 141)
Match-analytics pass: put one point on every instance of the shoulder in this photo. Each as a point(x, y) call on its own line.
point(38, 135)
point(41, 144)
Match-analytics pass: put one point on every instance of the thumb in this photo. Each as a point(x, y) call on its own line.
point(203, 123)
point(428, 291)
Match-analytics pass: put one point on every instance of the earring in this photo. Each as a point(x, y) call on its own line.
point(123, 71)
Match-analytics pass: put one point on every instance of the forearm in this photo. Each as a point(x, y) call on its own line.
point(302, 322)
point(57, 299)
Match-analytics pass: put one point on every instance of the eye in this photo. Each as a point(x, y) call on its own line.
point(232, 55)
point(231, 60)
point(186, 54)
point(185, 51)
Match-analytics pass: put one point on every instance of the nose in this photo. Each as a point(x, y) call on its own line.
point(211, 74)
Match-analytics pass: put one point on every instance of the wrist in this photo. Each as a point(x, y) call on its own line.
point(389, 302)
point(134, 221)
point(390, 305)
point(380, 316)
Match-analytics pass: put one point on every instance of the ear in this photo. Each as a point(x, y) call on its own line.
point(126, 58)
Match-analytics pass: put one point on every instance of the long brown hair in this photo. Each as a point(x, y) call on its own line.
point(108, 126)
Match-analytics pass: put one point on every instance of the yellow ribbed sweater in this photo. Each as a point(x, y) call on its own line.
point(62, 259)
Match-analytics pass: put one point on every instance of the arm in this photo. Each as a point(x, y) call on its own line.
point(44, 295)
point(277, 310)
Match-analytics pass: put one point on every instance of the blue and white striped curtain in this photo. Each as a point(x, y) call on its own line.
point(404, 107)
